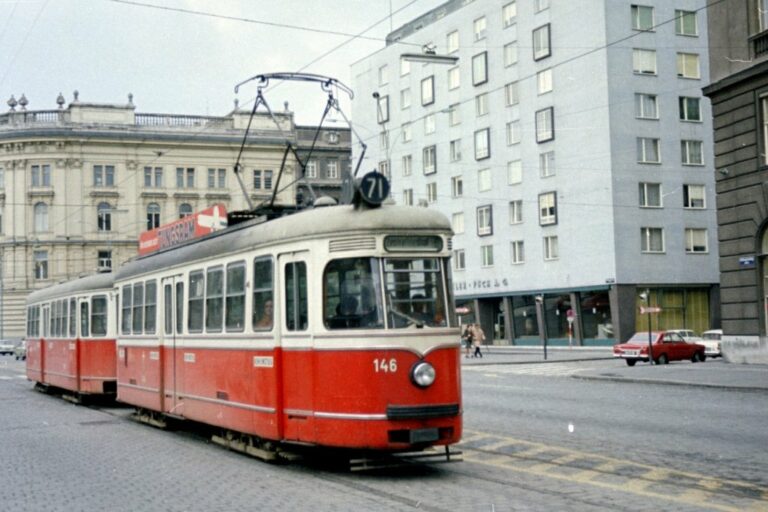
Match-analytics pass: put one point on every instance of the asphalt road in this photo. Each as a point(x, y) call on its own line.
point(537, 437)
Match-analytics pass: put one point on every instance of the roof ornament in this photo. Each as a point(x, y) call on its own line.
point(23, 102)
point(12, 103)
point(60, 100)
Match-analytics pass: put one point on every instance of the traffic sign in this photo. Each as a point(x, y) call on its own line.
point(649, 309)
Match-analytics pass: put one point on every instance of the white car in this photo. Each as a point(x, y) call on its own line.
point(711, 340)
point(688, 335)
point(6, 347)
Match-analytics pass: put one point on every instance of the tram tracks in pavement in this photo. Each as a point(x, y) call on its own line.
point(611, 474)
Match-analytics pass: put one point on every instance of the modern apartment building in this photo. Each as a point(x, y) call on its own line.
point(571, 146)
point(739, 95)
point(79, 183)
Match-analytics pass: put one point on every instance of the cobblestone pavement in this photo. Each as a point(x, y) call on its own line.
point(61, 457)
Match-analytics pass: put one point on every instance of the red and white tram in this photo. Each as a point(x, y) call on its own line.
point(71, 337)
point(331, 327)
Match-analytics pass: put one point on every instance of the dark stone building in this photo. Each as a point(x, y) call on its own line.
point(738, 38)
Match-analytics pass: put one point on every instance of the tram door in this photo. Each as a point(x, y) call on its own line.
point(173, 325)
point(296, 341)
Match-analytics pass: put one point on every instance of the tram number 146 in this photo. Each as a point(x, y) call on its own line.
point(385, 366)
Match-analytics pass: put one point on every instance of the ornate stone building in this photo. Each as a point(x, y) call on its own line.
point(79, 183)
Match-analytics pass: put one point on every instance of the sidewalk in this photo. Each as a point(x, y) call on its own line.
point(714, 373)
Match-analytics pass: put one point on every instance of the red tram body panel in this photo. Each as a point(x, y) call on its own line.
point(70, 336)
point(331, 327)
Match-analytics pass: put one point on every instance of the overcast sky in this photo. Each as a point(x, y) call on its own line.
point(184, 63)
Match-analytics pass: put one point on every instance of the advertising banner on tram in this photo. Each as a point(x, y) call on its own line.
point(187, 228)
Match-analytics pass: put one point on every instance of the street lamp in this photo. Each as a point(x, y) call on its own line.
point(428, 56)
point(646, 298)
point(540, 312)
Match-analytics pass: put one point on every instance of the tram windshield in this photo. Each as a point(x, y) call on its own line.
point(369, 292)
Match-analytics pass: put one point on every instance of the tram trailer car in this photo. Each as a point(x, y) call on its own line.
point(331, 327)
point(70, 338)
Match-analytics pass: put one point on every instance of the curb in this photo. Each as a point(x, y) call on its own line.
point(751, 389)
point(548, 361)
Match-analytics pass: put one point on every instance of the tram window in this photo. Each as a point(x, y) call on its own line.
point(72, 318)
point(263, 305)
point(415, 292)
point(125, 320)
point(99, 315)
point(168, 308)
point(84, 331)
point(179, 308)
point(150, 307)
point(296, 296)
point(235, 306)
point(55, 319)
point(214, 299)
point(138, 307)
point(352, 294)
point(64, 318)
point(196, 298)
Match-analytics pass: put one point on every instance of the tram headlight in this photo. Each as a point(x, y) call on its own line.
point(423, 374)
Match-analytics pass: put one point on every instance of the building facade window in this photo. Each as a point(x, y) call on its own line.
point(185, 177)
point(408, 197)
point(457, 186)
point(694, 196)
point(547, 164)
point(692, 152)
point(516, 212)
point(644, 61)
point(547, 209)
point(485, 220)
point(511, 95)
point(479, 27)
point(513, 133)
point(258, 178)
point(104, 260)
point(455, 150)
point(429, 164)
point(331, 172)
point(41, 175)
point(652, 240)
point(515, 172)
point(407, 132)
point(2, 178)
point(384, 168)
point(690, 109)
point(480, 69)
point(517, 252)
point(383, 75)
point(459, 259)
point(217, 178)
point(431, 192)
point(429, 124)
point(544, 81)
point(648, 151)
point(153, 216)
point(481, 105)
point(688, 65)
point(457, 223)
point(685, 23)
point(541, 43)
point(405, 67)
point(428, 91)
point(650, 195)
point(551, 249)
point(545, 125)
point(508, 14)
point(104, 217)
point(695, 240)
point(41, 264)
point(454, 115)
point(310, 171)
point(405, 99)
point(646, 106)
point(540, 5)
point(642, 17)
point(454, 78)
point(41, 217)
point(483, 144)
point(510, 54)
point(407, 165)
point(153, 177)
point(383, 109)
point(486, 255)
point(103, 175)
point(185, 210)
point(452, 41)
point(484, 181)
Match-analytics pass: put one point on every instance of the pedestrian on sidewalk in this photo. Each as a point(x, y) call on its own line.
point(466, 339)
point(478, 337)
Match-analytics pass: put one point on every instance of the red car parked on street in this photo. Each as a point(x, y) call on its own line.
point(666, 346)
